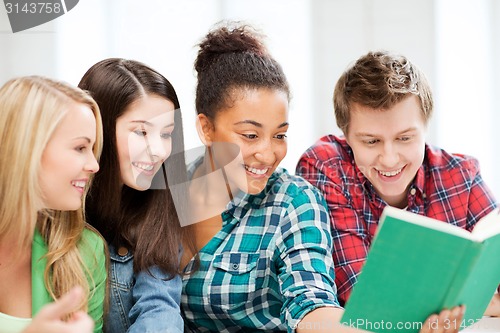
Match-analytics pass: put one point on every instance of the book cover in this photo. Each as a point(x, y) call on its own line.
point(418, 266)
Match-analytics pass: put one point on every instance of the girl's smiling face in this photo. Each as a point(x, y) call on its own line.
point(257, 123)
point(144, 139)
point(68, 159)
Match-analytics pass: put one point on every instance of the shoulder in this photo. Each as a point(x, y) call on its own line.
point(327, 149)
point(289, 190)
point(92, 246)
point(329, 157)
point(438, 159)
point(92, 237)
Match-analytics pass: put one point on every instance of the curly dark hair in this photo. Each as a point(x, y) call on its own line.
point(232, 56)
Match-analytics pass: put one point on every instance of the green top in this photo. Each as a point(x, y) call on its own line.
point(91, 247)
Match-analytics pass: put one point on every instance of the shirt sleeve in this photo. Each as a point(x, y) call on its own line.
point(349, 230)
point(305, 266)
point(481, 199)
point(156, 303)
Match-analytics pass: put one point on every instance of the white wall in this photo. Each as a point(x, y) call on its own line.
point(454, 42)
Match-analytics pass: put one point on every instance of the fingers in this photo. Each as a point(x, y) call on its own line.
point(444, 323)
point(50, 318)
point(455, 319)
point(81, 323)
point(429, 323)
point(448, 321)
point(63, 306)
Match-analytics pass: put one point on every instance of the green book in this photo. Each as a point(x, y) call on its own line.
point(418, 266)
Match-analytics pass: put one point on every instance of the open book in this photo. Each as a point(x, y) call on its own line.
point(418, 266)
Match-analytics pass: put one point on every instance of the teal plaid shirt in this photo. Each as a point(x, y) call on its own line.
point(268, 267)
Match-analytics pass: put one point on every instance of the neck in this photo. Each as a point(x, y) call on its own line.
point(12, 251)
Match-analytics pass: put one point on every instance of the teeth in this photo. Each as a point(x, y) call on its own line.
point(79, 183)
point(143, 166)
point(390, 173)
point(256, 171)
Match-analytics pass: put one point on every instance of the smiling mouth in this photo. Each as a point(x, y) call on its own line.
point(143, 166)
point(256, 171)
point(390, 173)
point(78, 183)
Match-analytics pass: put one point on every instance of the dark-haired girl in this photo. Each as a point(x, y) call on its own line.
point(142, 134)
point(264, 263)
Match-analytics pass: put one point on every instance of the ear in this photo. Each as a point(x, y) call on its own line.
point(205, 129)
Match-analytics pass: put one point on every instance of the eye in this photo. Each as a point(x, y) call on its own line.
point(166, 135)
point(281, 136)
point(405, 138)
point(140, 132)
point(371, 142)
point(250, 136)
point(81, 149)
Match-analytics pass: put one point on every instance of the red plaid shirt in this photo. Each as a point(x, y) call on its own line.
point(447, 187)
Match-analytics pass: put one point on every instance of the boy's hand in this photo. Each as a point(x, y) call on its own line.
point(448, 321)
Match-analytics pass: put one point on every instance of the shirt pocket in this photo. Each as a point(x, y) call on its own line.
point(121, 282)
point(234, 279)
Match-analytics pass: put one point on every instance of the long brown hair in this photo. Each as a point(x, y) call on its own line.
point(144, 221)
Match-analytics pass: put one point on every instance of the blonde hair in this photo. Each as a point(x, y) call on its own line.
point(31, 108)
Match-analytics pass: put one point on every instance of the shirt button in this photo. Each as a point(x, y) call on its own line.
point(122, 251)
point(413, 191)
point(235, 266)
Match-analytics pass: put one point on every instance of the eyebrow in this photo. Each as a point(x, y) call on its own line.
point(399, 133)
point(84, 138)
point(252, 122)
point(150, 124)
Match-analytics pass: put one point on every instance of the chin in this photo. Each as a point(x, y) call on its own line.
point(255, 188)
point(140, 184)
point(67, 207)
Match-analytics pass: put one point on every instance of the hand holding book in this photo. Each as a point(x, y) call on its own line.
point(418, 266)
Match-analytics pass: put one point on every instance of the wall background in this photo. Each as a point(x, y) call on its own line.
point(455, 42)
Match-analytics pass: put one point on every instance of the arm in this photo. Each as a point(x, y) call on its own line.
point(156, 303)
point(329, 321)
point(350, 234)
point(481, 201)
point(303, 257)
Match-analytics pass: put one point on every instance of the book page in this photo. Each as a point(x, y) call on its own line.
point(426, 222)
point(488, 226)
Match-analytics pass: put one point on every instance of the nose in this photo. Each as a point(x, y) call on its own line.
point(158, 148)
point(91, 166)
point(265, 153)
point(389, 156)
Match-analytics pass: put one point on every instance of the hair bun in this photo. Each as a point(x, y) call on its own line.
point(228, 37)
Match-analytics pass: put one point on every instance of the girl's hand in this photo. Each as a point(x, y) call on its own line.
point(50, 317)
